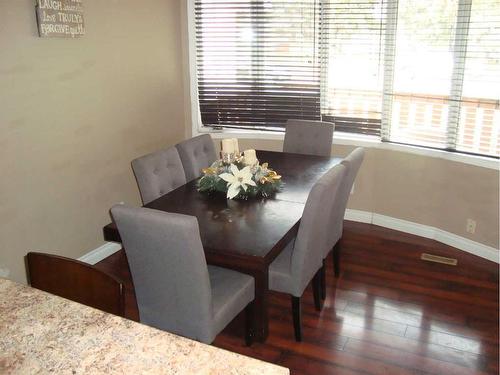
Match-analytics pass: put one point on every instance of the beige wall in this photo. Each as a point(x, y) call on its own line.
point(422, 189)
point(73, 113)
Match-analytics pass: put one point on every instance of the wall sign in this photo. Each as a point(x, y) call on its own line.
point(60, 18)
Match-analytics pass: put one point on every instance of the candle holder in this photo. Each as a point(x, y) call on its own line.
point(228, 157)
point(238, 157)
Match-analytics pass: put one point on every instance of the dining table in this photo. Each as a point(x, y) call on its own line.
point(247, 235)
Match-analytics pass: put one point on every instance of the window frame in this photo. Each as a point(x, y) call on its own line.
point(339, 138)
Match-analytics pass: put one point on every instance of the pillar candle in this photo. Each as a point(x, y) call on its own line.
point(250, 157)
point(236, 146)
point(228, 146)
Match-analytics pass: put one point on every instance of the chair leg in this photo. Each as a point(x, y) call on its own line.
point(336, 259)
point(323, 280)
point(316, 282)
point(296, 318)
point(249, 318)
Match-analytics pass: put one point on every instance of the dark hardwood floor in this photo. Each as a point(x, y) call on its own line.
point(388, 313)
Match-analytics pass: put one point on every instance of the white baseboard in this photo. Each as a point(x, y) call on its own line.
point(464, 244)
point(359, 216)
point(100, 253)
point(469, 246)
point(461, 243)
point(403, 226)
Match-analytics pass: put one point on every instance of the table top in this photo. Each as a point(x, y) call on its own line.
point(299, 172)
point(42, 333)
point(256, 228)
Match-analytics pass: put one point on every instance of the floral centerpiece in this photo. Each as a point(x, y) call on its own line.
point(239, 180)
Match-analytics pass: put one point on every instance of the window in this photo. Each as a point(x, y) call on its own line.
point(353, 34)
point(257, 62)
point(479, 123)
point(445, 86)
point(420, 72)
point(423, 72)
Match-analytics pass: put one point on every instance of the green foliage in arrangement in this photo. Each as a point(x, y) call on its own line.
point(238, 181)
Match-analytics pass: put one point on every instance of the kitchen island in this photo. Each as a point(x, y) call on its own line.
point(42, 333)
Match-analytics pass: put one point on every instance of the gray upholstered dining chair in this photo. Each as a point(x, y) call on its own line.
point(196, 153)
point(175, 289)
point(301, 261)
point(352, 163)
point(158, 173)
point(308, 137)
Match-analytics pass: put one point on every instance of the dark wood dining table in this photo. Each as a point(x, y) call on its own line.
point(247, 235)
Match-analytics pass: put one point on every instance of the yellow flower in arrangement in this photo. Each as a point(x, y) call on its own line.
point(209, 170)
point(237, 179)
point(273, 175)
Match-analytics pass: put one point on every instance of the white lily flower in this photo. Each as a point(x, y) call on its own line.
point(238, 178)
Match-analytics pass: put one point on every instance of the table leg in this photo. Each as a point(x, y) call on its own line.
point(261, 322)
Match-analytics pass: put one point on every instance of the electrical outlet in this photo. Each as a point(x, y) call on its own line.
point(471, 226)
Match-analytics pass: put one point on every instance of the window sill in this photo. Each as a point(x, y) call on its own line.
point(346, 139)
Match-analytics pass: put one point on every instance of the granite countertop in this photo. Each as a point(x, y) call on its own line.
point(41, 333)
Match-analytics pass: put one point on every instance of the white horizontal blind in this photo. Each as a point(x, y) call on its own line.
point(353, 35)
point(479, 125)
point(423, 72)
point(257, 62)
point(446, 82)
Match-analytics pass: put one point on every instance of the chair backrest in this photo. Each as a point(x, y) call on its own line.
point(169, 270)
point(77, 281)
point(312, 237)
point(196, 153)
point(352, 163)
point(158, 173)
point(308, 137)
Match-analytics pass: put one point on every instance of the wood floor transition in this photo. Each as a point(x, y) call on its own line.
point(388, 313)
